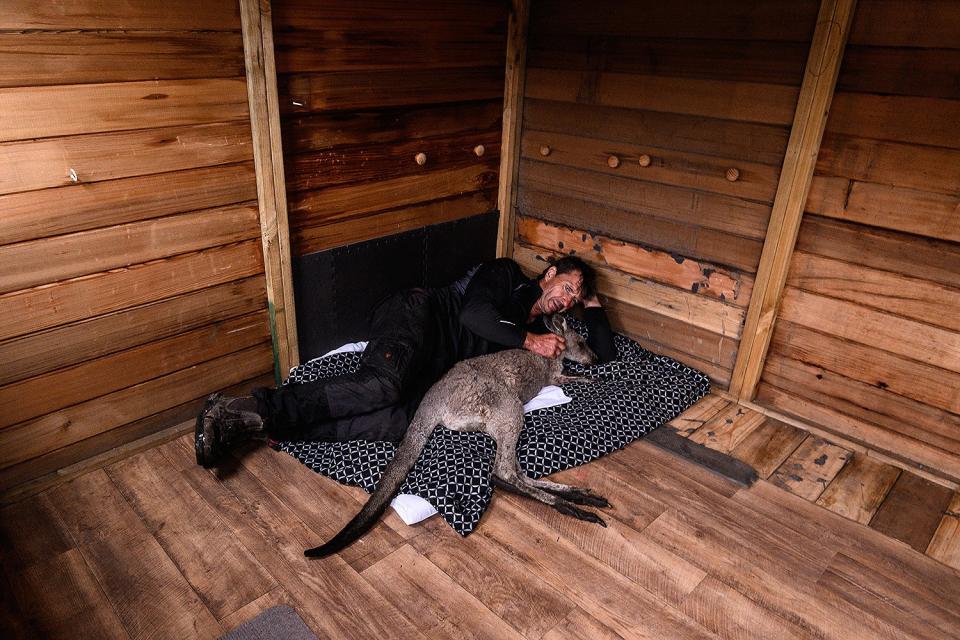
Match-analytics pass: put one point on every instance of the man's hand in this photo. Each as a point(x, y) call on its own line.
point(547, 345)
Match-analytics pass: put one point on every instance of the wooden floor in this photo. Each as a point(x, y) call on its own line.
point(854, 484)
point(155, 547)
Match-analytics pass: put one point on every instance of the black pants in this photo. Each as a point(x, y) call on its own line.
point(378, 400)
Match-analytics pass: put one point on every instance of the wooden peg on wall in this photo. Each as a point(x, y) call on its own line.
point(479, 150)
point(613, 162)
point(733, 174)
point(421, 158)
point(644, 160)
point(545, 151)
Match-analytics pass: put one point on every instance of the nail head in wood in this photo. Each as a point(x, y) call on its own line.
point(545, 150)
point(421, 158)
point(733, 174)
point(613, 162)
point(479, 150)
point(644, 160)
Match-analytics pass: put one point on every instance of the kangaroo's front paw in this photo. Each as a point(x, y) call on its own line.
point(568, 379)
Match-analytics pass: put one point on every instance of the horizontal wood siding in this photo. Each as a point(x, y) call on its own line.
point(652, 142)
point(131, 276)
point(868, 340)
point(364, 87)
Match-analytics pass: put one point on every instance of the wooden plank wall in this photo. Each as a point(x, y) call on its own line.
point(652, 142)
point(868, 338)
point(364, 87)
point(131, 277)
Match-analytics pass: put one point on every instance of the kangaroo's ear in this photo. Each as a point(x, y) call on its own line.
point(556, 324)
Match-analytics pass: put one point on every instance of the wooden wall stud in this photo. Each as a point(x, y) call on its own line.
point(545, 150)
point(479, 150)
point(512, 120)
point(421, 158)
point(613, 162)
point(644, 160)
point(809, 121)
point(264, 105)
point(733, 174)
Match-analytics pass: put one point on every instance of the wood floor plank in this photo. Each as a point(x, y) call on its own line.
point(255, 531)
point(815, 526)
point(779, 586)
point(321, 503)
point(505, 585)
point(673, 485)
point(31, 532)
point(869, 612)
point(579, 625)
point(338, 602)
point(13, 622)
point(434, 602)
point(623, 549)
point(730, 614)
point(728, 428)
point(767, 446)
point(220, 569)
point(928, 606)
point(859, 488)
point(912, 510)
point(945, 545)
point(150, 596)
point(605, 594)
point(62, 599)
point(810, 468)
point(695, 417)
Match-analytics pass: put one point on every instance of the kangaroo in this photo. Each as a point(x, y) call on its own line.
point(486, 394)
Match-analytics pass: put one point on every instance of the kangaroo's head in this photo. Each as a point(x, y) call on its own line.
point(577, 349)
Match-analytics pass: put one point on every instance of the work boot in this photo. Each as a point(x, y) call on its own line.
point(224, 423)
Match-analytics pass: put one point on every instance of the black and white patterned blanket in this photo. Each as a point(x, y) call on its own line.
point(630, 397)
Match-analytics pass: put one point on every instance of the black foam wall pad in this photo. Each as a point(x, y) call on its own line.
point(336, 289)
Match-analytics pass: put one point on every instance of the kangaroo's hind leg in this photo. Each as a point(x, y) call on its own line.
point(507, 473)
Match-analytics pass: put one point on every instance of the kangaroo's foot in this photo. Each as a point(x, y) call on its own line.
point(581, 495)
point(568, 509)
point(577, 495)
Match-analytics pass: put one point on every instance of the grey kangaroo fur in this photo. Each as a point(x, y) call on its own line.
point(485, 394)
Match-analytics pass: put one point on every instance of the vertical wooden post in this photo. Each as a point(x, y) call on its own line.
point(809, 121)
point(512, 121)
point(271, 185)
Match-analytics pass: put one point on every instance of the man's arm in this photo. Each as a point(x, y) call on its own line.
point(599, 332)
point(489, 291)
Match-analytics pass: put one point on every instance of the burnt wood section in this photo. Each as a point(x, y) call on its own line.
point(867, 342)
point(154, 545)
point(390, 115)
point(652, 144)
point(131, 277)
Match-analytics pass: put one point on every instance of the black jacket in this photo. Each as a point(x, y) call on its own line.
point(487, 311)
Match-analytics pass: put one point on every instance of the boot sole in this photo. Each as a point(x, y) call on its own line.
point(198, 433)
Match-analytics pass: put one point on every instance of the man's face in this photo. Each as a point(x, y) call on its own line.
point(560, 291)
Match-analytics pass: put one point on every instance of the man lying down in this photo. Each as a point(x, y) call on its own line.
point(417, 335)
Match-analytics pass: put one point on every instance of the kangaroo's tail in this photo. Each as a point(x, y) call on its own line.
point(393, 477)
